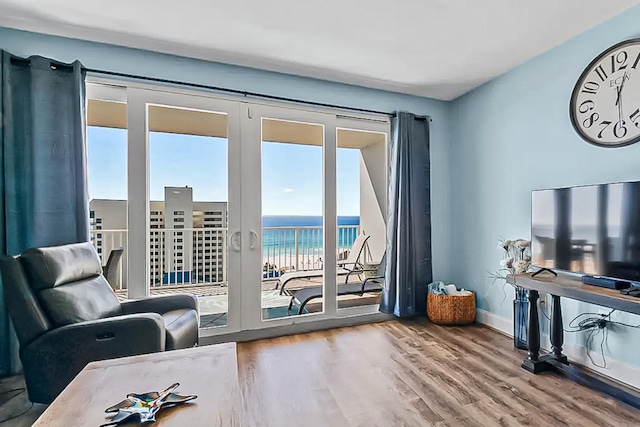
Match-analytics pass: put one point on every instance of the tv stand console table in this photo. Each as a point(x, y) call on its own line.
point(569, 286)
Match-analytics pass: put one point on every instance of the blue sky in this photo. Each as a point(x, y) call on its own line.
point(291, 173)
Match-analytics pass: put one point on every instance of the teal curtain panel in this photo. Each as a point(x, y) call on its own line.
point(43, 165)
point(409, 267)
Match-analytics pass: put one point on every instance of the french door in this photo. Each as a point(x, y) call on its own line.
point(225, 198)
point(290, 159)
point(317, 171)
point(184, 201)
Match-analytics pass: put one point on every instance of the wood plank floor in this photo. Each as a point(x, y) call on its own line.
point(410, 374)
point(403, 373)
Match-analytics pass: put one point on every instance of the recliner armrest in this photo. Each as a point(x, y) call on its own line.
point(55, 358)
point(161, 304)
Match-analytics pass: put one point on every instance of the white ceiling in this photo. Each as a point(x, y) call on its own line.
point(435, 48)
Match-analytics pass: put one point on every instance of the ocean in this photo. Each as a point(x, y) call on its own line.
point(304, 221)
point(281, 234)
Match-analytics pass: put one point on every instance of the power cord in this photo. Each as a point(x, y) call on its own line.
point(19, 392)
point(597, 320)
point(624, 324)
point(545, 314)
point(588, 343)
point(595, 324)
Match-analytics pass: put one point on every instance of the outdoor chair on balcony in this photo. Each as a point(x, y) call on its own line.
point(66, 315)
point(372, 284)
point(110, 270)
point(350, 265)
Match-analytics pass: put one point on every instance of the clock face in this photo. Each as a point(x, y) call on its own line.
point(605, 104)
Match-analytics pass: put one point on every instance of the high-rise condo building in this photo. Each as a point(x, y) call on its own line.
point(187, 238)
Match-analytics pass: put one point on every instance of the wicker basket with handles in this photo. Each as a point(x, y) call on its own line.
point(451, 309)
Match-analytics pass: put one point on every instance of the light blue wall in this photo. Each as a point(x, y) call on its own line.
point(513, 135)
point(145, 63)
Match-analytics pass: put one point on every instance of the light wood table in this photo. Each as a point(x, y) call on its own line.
point(211, 372)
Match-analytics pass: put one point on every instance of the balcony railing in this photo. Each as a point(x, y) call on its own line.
point(299, 248)
point(188, 256)
point(198, 256)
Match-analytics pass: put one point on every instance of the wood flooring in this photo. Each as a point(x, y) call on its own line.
point(404, 373)
point(410, 373)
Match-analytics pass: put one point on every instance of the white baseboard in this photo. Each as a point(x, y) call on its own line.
point(499, 323)
point(616, 370)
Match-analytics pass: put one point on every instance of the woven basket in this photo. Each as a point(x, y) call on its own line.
point(451, 309)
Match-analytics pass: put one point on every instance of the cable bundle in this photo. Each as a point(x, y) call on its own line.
point(596, 324)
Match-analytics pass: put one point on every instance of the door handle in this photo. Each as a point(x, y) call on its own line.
point(234, 241)
point(253, 245)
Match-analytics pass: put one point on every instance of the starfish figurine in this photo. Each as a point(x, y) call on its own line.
point(142, 408)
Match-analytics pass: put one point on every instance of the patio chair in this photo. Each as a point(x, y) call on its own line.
point(110, 270)
point(369, 285)
point(349, 265)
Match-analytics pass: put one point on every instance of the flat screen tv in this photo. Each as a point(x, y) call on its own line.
point(593, 229)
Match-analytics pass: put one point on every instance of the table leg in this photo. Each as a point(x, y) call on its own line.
point(532, 362)
point(557, 330)
point(533, 336)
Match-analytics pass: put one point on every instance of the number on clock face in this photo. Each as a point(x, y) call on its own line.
point(605, 104)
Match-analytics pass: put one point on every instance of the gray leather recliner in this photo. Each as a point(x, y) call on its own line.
point(66, 315)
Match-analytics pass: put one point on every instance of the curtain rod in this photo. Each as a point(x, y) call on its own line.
point(244, 93)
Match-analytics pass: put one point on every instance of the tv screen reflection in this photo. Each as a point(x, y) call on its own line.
point(590, 229)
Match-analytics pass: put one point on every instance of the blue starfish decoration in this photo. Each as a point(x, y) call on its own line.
point(142, 408)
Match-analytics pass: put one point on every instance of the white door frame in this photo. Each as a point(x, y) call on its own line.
point(252, 211)
point(139, 101)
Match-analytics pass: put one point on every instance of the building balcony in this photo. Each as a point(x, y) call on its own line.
point(179, 259)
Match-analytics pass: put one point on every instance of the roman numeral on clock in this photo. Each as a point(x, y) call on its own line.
point(635, 118)
point(635, 63)
point(590, 88)
point(601, 72)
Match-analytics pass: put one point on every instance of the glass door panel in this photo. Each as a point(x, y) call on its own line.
point(361, 207)
point(188, 185)
point(292, 220)
point(107, 173)
point(287, 154)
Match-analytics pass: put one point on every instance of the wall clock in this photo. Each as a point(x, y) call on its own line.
point(605, 104)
